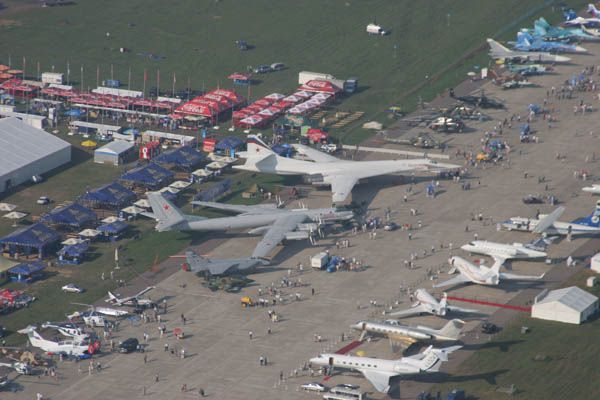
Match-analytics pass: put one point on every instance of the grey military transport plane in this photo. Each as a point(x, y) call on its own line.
point(276, 223)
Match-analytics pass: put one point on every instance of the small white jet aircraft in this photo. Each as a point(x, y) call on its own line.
point(406, 335)
point(497, 51)
point(589, 225)
point(427, 304)
point(68, 347)
point(482, 275)
point(379, 372)
point(501, 252)
point(327, 170)
point(134, 300)
point(594, 189)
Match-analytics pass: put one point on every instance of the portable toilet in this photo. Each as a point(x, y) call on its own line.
point(595, 263)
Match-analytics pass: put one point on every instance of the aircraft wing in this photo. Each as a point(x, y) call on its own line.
point(463, 310)
point(421, 308)
point(379, 379)
point(341, 186)
point(457, 280)
point(498, 263)
point(515, 277)
point(315, 155)
point(548, 220)
point(239, 208)
point(276, 233)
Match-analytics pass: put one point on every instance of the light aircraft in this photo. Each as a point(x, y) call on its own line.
point(594, 189)
point(67, 329)
point(90, 318)
point(406, 335)
point(20, 367)
point(497, 51)
point(68, 347)
point(427, 304)
point(327, 170)
point(134, 300)
point(589, 225)
point(111, 312)
point(482, 275)
point(379, 372)
point(198, 264)
point(527, 42)
point(275, 223)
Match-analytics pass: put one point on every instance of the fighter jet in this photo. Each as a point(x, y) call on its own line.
point(134, 300)
point(482, 275)
point(497, 51)
point(68, 347)
point(589, 225)
point(528, 42)
point(545, 31)
point(327, 170)
point(406, 335)
point(427, 304)
point(276, 223)
point(379, 372)
point(198, 264)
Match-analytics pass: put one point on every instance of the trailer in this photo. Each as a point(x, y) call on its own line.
point(55, 78)
point(373, 29)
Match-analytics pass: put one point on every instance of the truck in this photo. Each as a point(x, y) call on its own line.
point(56, 78)
point(320, 260)
point(374, 29)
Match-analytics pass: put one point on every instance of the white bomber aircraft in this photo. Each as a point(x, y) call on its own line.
point(481, 275)
point(68, 347)
point(497, 51)
point(406, 335)
point(379, 372)
point(327, 170)
point(427, 304)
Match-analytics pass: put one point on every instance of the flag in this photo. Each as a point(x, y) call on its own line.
point(97, 75)
point(174, 79)
point(145, 75)
point(117, 254)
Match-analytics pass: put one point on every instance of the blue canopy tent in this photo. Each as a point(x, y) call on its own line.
point(73, 216)
point(74, 112)
point(73, 254)
point(23, 242)
point(113, 231)
point(228, 145)
point(185, 158)
point(111, 196)
point(26, 272)
point(150, 176)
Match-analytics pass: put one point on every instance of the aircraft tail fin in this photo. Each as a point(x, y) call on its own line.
point(256, 147)
point(433, 358)
point(167, 214)
point(593, 10)
point(591, 220)
point(452, 329)
point(444, 301)
point(497, 48)
point(195, 261)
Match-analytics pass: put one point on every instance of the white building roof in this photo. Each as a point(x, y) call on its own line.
point(115, 147)
point(21, 144)
point(572, 297)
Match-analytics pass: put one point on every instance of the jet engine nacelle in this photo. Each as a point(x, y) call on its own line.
point(315, 179)
point(308, 227)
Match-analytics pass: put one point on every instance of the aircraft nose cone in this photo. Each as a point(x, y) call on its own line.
point(580, 49)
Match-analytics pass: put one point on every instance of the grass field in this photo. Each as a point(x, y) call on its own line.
point(553, 361)
point(196, 39)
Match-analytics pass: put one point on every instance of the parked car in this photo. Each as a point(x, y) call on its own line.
point(313, 387)
point(262, 69)
point(241, 45)
point(329, 147)
point(277, 66)
point(390, 226)
point(43, 200)
point(533, 199)
point(2, 331)
point(72, 288)
point(130, 345)
point(348, 386)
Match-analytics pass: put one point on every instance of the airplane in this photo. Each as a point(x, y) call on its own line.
point(81, 349)
point(589, 225)
point(497, 51)
point(327, 170)
point(20, 367)
point(407, 335)
point(198, 264)
point(545, 31)
point(593, 11)
point(134, 300)
point(501, 252)
point(427, 304)
point(528, 42)
point(529, 69)
point(481, 275)
point(276, 223)
point(594, 189)
point(111, 312)
point(66, 329)
point(90, 318)
point(379, 372)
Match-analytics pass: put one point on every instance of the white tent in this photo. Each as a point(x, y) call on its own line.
point(571, 305)
point(7, 207)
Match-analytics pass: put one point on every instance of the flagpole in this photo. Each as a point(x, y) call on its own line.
point(174, 80)
point(129, 80)
point(97, 75)
point(82, 87)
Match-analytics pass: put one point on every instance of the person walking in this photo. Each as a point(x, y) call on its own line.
point(250, 334)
